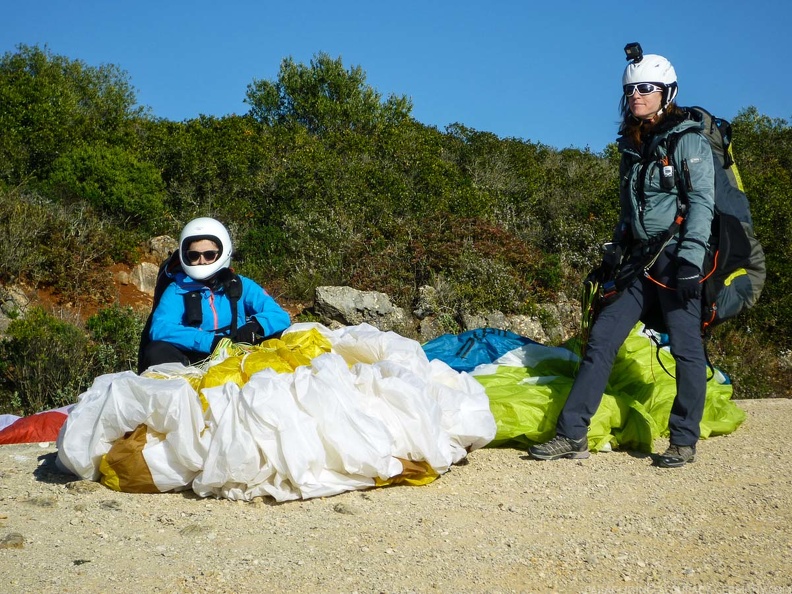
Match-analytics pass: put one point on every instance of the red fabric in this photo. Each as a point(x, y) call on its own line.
point(36, 428)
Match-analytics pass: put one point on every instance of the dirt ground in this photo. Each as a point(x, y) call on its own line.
point(498, 523)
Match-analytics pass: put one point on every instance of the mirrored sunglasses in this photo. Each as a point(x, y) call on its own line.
point(642, 88)
point(209, 255)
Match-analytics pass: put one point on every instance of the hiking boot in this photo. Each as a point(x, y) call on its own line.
point(560, 447)
point(676, 456)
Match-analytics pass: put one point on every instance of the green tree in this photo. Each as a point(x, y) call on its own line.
point(324, 97)
point(763, 152)
point(213, 166)
point(50, 104)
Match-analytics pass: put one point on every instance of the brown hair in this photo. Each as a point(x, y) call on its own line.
point(635, 129)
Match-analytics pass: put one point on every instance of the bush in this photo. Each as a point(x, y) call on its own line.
point(23, 227)
point(112, 181)
point(49, 104)
point(76, 257)
point(44, 363)
point(753, 365)
point(763, 152)
point(116, 332)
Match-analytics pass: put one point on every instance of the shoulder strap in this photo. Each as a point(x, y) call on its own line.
point(232, 287)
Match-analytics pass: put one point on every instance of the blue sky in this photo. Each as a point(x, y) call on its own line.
point(547, 72)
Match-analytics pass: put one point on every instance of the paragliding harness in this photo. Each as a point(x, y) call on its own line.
point(629, 260)
point(193, 316)
point(734, 264)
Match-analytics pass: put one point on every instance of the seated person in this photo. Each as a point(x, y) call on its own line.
point(195, 309)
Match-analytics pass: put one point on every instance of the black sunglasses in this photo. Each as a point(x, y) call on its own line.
point(209, 255)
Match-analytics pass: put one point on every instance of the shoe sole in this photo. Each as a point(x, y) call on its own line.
point(674, 462)
point(572, 455)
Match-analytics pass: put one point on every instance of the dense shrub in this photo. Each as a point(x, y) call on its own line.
point(76, 257)
point(115, 332)
point(763, 152)
point(23, 228)
point(45, 362)
point(64, 247)
point(112, 181)
point(483, 266)
point(753, 364)
point(51, 104)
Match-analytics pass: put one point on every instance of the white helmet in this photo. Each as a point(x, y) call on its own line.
point(652, 69)
point(205, 228)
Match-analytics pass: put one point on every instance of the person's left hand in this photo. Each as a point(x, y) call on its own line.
point(688, 282)
point(250, 333)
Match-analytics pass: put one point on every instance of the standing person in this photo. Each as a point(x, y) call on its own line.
point(650, 199)
point(206, 301)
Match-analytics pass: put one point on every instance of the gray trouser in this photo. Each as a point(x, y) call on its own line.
point(610, 330)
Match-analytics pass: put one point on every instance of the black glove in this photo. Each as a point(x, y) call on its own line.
point(250, 333)
point(688, 281)
point(610, 261)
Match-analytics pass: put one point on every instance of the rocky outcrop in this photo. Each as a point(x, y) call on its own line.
point(349, 307)
point(554, 323)
point(144, 275)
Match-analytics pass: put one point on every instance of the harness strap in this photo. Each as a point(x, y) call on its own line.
point(233, 290)
point(231, 285)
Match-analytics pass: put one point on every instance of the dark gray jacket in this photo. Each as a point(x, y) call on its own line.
point(651, 214)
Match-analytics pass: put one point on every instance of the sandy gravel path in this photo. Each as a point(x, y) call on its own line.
point(500, 523)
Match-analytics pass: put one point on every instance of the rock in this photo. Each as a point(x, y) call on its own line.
point(122, 276)
point(434, 326)
point(84, 486)
point(528, 326)
point(343, 508)
point(569, 315)
point(13, 304)
point(161, 247)
point(193, 530)
point(345, 306)
point(13, 300)
point(144, 277)
point(13, 540)
point(493, 319)
point(551, 322)
point(42, 501)
point(351, 307)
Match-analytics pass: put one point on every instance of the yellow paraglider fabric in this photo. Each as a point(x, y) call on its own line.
point(283, 355)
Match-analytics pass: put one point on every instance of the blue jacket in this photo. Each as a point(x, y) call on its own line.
point(654, 214)
point(167, 322)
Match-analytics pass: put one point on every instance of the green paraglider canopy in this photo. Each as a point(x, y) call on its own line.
point(527, 387)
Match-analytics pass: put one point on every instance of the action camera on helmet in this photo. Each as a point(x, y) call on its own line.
point(634, 52)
